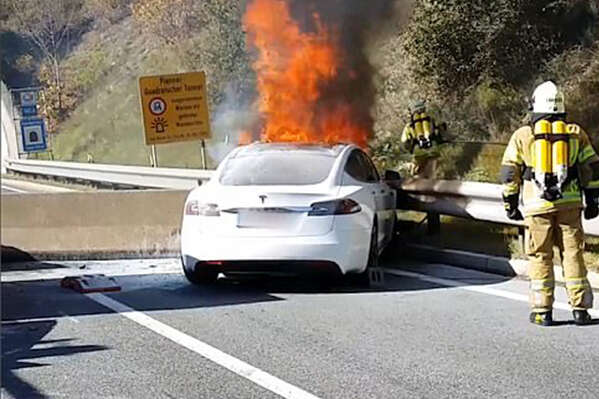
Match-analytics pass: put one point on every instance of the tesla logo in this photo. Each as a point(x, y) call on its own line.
point(262, 198)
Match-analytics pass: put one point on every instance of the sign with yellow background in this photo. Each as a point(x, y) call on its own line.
point(174, 107)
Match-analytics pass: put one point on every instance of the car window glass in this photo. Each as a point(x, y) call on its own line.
point(355, 167)
point(277, 168)
point(371, 172)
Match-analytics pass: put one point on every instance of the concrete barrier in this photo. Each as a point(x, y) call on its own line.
point(93, 225)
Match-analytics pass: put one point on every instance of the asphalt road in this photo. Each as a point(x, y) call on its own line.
point(432, 331)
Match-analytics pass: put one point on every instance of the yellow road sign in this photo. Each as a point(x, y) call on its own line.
point(174, 107)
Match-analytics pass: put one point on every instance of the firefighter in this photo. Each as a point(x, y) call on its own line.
point(422, 138)
point(554, 163)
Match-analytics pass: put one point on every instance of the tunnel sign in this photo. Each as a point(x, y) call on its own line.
point(174, 107)
point(33, 134)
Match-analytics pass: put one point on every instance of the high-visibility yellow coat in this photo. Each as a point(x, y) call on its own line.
point(518, 168)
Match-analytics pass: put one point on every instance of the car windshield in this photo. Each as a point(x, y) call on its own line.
point(277, 168)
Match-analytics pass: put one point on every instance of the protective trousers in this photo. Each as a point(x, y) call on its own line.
point(563, 229)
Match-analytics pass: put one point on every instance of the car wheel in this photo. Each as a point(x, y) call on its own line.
point(199, 277)
point(373, 256)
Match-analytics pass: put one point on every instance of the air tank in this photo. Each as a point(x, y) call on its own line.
point(542, 153)
point(560, 156)
point(426, 126)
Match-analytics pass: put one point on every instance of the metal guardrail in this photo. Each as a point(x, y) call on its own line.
point(477, 201)
point(135, 176)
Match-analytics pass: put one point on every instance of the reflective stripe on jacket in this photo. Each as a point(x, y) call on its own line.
point(518, 163)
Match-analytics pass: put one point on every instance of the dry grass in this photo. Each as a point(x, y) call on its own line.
point(481, 237)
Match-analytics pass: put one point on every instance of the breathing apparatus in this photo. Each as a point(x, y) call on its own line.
point(421, 124)
point(551, 152)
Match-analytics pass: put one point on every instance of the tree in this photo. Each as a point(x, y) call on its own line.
point(170, 20)
point(109, 11)
point(49, 25)
point(459, 43)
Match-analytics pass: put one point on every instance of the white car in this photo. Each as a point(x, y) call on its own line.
point(287, 209)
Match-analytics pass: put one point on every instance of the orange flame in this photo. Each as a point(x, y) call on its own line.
point(295, 73)
point(245, 138)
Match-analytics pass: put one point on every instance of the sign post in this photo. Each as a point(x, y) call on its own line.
point(174, 109)
point(154, 156)
point(203, 154)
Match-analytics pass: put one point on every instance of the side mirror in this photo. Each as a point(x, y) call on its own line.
point(200, 182)
point(392, 175)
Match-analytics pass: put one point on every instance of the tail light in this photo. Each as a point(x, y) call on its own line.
point(195, 208)
point(344, 206)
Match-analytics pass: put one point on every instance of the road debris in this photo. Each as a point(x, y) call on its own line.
point(90, 283)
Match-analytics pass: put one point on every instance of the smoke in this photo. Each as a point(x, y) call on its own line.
point(232, 118)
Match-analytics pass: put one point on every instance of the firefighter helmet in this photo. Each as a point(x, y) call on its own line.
point(547, 99)
point(418, 106)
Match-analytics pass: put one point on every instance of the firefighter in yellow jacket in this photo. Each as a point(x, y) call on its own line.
point(422, 137)
point(555, 165)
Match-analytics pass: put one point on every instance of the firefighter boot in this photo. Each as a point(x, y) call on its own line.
point(581, 317)
point(544, 319)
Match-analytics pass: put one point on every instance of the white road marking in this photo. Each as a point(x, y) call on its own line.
point(229, 362)
point(71, 318)
point(16, 190)
point(483, 289)
point(58, 273)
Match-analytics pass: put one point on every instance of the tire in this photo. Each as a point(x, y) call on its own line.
point(199, 278)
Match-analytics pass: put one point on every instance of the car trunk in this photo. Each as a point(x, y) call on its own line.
point(271, 211)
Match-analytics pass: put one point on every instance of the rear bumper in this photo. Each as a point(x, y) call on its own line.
point(347, 249)
point(269, 267)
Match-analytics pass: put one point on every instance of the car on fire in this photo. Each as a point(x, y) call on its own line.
point(282, 208)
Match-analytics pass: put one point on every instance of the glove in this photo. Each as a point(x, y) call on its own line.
point(591, 198)
point(511, 207)
point(514, 214)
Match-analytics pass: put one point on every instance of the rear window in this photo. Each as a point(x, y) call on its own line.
point(277, 168)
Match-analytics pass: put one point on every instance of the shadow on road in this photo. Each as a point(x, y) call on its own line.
point(19, 341)
point(46, 299)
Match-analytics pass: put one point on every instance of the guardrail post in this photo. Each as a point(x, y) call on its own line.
point(433, 223)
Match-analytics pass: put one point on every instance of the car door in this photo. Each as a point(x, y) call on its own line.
point(358, 177)
point(380, 192)
point(359, 168)
point(386, 199)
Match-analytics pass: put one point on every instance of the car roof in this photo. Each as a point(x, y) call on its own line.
point(332, 150)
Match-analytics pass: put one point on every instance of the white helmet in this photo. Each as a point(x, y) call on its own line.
point(418, 106)
point(548, 99)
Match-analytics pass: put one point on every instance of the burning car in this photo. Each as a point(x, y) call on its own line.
point(287, 208)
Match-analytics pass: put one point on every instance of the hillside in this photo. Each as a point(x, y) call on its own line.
point(107, 124)
point(476, 76)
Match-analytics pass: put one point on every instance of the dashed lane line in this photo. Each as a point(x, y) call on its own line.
point(223, 359)
point(482, 289)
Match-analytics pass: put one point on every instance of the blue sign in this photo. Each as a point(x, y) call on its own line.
point(33, 135)
point(29, 111)
point(28, 98)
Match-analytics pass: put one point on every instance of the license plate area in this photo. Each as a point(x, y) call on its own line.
point(268, 218)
